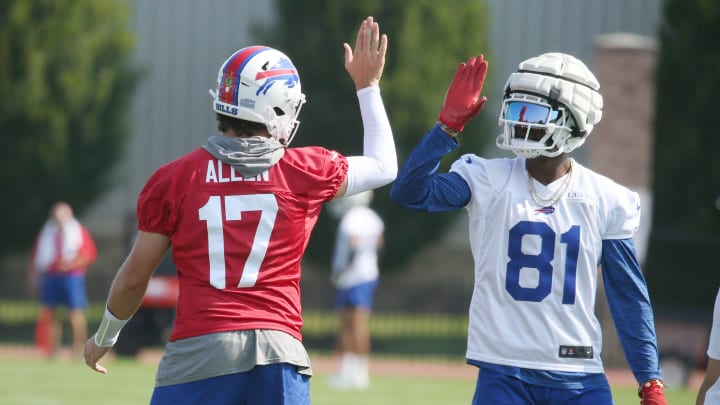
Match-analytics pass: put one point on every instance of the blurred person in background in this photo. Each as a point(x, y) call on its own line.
point(62, 252)
point(355, 276)
point(709, 393)
point(540, 225)
point(238, 213)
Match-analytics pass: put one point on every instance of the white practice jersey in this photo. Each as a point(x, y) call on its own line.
point(355, 259)
point(536, 268)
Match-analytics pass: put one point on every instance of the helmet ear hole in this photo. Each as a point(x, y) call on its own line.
point(575, 132)
point(278, 111)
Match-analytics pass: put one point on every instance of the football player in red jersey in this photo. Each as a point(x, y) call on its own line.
point(63, 250)
point(238, 213)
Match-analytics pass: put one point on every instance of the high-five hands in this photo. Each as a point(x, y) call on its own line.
point(365, 64)
point(462, 100)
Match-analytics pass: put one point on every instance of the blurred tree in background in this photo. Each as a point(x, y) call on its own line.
point(682, 265)
point(427, 41)
point(66, 85)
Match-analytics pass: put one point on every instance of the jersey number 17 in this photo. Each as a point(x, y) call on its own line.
point(235, 205)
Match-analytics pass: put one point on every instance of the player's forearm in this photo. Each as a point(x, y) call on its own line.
point(630, 307)
point(126, 293)
point(125, 296)
point(418, 184)
point(378, 140)
point(413, 183)
point(132, 279)
point(378, 165)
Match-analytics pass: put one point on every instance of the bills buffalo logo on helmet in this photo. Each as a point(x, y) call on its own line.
point(283, 71)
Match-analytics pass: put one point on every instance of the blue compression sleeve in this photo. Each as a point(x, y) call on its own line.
point(419, 186)
point(630, 307)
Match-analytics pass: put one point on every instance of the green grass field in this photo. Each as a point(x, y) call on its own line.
point(62, 382)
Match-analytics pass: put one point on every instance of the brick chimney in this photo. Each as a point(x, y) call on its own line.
point(621, 145)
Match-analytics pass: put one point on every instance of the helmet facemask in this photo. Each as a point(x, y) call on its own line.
point(533, 127)
point(281, 121)
point(560, 96)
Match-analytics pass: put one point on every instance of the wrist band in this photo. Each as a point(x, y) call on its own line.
point(448, 130)
point(109, 329)
point(649, 383)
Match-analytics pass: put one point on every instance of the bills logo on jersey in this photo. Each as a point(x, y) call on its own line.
point(545, 210)
point(283, 71)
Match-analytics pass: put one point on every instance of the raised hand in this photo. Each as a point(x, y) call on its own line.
point(365, 64)
point(462, 100)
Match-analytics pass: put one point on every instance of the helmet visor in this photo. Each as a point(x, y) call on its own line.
point(521, 112)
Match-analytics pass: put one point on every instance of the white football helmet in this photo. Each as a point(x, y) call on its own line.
point(260, 84)
point(551, 105)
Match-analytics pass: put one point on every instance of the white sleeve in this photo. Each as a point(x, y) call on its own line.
point(378, 165)
point(623, 219)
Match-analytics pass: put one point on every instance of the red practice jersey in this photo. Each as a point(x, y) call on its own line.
point(238, 242)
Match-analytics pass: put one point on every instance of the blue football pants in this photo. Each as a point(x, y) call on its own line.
point(493, 388)
point(274, 384)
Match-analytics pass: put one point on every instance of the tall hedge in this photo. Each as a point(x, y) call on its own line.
point(427, 41)
point(66, 81)
point(683, 265)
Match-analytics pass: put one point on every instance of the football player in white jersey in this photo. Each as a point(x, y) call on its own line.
point(355, 276)
point(541, 224)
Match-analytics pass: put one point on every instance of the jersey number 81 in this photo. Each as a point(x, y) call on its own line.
point(542, 261)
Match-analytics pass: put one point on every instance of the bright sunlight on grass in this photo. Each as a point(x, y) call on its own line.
point(65, 382)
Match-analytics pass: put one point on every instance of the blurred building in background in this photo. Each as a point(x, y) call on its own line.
point(181, 43)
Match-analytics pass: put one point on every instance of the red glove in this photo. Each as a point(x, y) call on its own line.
point(462, 100)
point(652, 392)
